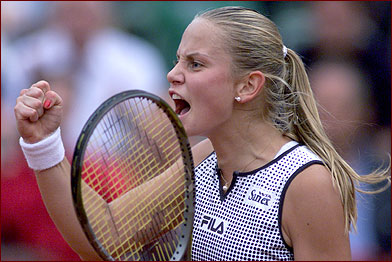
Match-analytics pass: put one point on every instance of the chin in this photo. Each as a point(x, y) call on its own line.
point(190, 131)
point(193, 127)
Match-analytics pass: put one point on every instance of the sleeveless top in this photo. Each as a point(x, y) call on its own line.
point(244, 224)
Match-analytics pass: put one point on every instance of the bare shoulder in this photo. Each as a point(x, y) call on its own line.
point(313, 218)
point(312, 189)
point(316, 179)
point(201, 150)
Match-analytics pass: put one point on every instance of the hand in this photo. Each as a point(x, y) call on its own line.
point(38, 112)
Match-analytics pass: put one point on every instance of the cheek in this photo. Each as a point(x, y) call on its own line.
point(214, 105)
point(215, 94)
point(216, 111)
point(207, 116)
point(212, 101)
point(216, 83)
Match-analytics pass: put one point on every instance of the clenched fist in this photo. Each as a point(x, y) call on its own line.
point(38, 112)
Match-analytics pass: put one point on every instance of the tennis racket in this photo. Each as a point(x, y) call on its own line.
point(132, 180)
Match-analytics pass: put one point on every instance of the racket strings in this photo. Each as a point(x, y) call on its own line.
point(108, 228)
point(140, 154)
point(158, 170)
point(174, 215)
point(126, 151)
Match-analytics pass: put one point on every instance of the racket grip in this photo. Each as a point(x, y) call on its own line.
point(45, 153)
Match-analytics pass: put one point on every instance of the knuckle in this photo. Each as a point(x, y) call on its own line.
point(32, 113)
point(43, 85)
point(16, 109)
point(19, 100)
point(43, 82)
point(23, 91)
point(37, 104)
point(34, 92)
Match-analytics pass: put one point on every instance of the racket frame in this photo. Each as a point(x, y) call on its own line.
point(77, 168)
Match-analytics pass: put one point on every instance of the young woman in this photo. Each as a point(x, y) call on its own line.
point(267, 172)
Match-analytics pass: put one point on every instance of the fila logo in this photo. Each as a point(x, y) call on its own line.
point(213, 224)
point(260, 198)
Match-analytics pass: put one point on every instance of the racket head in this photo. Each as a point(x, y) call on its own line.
point(134, 116)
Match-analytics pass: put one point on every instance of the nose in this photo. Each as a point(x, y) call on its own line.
point(175, 76)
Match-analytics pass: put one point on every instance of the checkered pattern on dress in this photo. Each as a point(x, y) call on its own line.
point(244, 224)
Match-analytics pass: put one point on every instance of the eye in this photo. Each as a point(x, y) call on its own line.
point(175, 62)
point(195, 65)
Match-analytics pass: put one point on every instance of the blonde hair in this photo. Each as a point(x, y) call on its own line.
point(254, 43)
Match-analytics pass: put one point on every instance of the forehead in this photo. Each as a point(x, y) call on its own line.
point(201, 36)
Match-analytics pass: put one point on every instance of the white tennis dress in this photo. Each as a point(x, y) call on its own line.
point(244, 224)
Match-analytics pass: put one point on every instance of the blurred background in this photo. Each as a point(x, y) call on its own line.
point(89, 51)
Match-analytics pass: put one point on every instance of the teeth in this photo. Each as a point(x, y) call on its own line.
point(175, 96)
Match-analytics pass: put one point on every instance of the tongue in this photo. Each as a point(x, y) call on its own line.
point(184, 111)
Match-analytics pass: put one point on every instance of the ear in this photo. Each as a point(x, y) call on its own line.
point(248, 89)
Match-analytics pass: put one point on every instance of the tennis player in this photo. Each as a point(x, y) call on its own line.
point(269, 184)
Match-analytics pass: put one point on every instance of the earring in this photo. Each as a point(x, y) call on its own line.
point(237, 98)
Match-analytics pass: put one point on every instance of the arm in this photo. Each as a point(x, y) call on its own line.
point(313, 220)
point(160, 189)
point(55, 188)
point(38, 113)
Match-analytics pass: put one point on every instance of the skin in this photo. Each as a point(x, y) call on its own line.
point(312, 222)
point(202, 77)
point(207, 84)
point(38, 112)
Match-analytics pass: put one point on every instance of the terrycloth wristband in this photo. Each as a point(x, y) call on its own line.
point(45, 153)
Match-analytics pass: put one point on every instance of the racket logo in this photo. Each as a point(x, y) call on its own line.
point(213, 224)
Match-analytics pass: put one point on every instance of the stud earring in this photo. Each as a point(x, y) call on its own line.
point(237, 98)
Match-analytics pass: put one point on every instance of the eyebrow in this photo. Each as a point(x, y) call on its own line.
point(195, 54)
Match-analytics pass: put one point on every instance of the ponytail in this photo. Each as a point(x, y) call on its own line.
point(254, 43)
point(308, 129)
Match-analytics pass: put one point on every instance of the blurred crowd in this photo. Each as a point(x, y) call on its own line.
point(89, 51)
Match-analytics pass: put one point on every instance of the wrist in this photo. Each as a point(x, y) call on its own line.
point(45, 153)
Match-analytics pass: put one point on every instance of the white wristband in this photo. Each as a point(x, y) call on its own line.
point(45, 153)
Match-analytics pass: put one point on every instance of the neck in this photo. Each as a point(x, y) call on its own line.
point(245, 149)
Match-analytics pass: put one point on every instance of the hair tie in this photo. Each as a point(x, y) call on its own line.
point(284, 51)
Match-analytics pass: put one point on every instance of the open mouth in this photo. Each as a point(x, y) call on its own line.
point(182, 106)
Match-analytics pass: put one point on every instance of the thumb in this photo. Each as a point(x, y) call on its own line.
point(52, 99)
